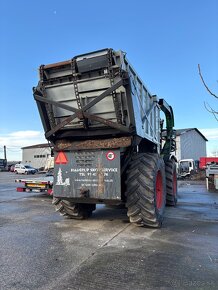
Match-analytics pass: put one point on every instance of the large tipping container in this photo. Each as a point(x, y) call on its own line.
point(95, 109)
point(96, 95)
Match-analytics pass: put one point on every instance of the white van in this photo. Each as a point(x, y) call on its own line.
point(24, 169)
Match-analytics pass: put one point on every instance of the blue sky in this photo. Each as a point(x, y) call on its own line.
point(164, 41)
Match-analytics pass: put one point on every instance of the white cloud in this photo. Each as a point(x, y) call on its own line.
point(212, 144)
point(210, 134)
point(25, 133)
point(14, 141)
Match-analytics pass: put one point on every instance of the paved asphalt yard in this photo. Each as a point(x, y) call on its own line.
point(42, 250)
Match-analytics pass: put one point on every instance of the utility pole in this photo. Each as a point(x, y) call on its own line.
point(5, 155)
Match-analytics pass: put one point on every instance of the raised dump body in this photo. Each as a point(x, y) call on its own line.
point(106, 131)
point(105, 86)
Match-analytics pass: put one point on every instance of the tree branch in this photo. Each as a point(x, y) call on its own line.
point(211, 110)
point(199, 70)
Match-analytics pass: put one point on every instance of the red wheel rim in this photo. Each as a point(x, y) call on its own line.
point(159, 190)
point(174, 183)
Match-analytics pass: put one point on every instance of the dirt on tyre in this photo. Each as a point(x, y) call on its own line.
point(171, 182)
point(73, 210)
point(146, 190)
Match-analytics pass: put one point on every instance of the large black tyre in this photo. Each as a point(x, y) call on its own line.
point(146, 190)
point(73, 210)
point(171, 182)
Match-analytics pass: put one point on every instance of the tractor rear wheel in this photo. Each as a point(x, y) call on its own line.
point(171, 182)
point(73, 210)
point(146, 190)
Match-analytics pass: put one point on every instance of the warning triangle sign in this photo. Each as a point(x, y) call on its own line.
point(61, 158)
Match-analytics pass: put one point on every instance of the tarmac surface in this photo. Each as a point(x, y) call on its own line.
point(42, 250)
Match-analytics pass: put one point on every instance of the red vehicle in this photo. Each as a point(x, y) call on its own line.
point(43, 184)
point(205, 160)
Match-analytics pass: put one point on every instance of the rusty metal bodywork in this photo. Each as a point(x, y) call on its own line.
point(93, 144)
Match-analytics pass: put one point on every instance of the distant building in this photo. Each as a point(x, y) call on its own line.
point(190, 143)
point(36, 155)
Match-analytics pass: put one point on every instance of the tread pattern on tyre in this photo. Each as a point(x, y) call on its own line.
point(171, 196)
point(140, 193)
point(73, 210)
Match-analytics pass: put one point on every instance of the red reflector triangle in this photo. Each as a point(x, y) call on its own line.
point(61, 158)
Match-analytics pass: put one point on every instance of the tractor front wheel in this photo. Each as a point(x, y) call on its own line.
point(171, 182)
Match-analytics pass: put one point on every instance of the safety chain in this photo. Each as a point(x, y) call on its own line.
point(76, 90)
point(111, 77)
point(74, 73)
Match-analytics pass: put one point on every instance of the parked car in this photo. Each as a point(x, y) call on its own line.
point(24, 169)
